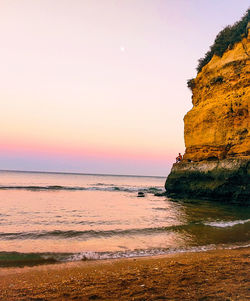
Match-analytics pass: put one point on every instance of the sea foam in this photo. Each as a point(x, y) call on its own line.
point(224, 224)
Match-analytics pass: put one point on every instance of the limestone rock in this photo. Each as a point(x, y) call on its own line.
point(216, 131)
point(218, 126)
point(225, 180)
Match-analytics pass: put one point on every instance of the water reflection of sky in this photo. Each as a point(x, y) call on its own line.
point(75, 221)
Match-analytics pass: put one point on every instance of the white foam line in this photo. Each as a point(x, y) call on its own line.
point(227, 224)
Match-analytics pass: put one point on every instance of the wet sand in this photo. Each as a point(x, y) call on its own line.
point(212, 275)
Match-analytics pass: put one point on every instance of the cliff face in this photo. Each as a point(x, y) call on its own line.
point(217, 127)
point(216, 160)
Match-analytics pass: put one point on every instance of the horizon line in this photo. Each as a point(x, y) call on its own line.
point(79, 173)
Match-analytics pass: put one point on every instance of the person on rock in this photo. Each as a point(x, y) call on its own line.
point(179, 158)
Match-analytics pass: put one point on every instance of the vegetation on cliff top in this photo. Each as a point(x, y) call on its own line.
point(223, 41)
point(226, 40)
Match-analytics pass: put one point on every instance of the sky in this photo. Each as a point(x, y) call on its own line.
point(99, 86)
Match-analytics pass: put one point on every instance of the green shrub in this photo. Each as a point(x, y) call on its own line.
point(226, 40)
point(191, 83)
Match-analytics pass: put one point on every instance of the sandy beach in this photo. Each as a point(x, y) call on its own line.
point(212, 275)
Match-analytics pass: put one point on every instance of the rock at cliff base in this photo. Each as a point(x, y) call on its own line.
point(226, 180)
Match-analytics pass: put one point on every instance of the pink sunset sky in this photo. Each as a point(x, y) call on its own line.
point(99, 86)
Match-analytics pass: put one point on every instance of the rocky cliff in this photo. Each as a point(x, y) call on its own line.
point(216, 160)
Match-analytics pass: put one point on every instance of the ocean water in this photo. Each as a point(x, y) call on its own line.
point(53, 217)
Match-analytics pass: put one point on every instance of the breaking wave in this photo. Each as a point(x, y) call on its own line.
point(11, 259)
point(89, 234)
point(98, 187)
point(225, 224)
point(84, 234)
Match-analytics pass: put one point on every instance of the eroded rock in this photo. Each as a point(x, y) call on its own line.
point(216, 131)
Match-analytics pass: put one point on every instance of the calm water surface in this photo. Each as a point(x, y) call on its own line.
point(66, 217)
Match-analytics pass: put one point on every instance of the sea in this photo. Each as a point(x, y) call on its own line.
point(63, 217)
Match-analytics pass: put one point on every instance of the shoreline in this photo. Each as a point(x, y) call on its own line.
point(32, 259)
point(207, 275)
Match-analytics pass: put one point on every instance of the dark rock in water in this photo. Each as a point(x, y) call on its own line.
point(160, 194)
point(225, 180)
point(140, 194)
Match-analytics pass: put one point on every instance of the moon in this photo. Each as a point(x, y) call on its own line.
point(122, 48)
